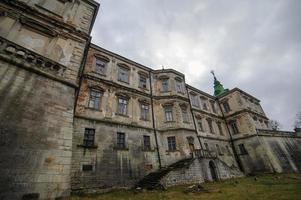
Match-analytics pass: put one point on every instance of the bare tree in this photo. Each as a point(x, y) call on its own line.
point(275, 125)
point(297, 123)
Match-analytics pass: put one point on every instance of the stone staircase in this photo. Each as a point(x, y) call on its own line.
point(152, 180)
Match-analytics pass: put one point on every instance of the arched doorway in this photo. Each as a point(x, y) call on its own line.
point(212, 168)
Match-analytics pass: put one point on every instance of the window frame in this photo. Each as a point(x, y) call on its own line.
point(144, 111)
point(168, 113)
point(220, 128)
point(195, 100)
point(185, 115)
point(210, 125)
point(234, 127)
point(122, 71)
point(171, 143)
point(147, 143)
point(94, 98)
point(121, 140)
point(242, 149)
point(226, 106)
point(179, 86)
point(104, 66)
point(121, 106)
point(165, 85)
point(141, 84)
point(89, 138)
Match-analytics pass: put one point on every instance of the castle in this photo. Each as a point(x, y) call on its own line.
point(76, 117)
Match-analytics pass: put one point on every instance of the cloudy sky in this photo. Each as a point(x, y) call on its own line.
point(251, 44)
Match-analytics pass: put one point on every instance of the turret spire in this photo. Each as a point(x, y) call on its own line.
point(218, 87)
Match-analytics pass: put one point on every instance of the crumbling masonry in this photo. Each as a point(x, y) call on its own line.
point(77, 117)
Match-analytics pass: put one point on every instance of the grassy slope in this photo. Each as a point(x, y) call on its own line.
point(268, 187)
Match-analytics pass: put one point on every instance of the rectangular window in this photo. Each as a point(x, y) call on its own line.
point(87, 167)
point(234, 127)
point(213, 106)
point(242, 149)
point(122, 106)
point(210, 125)
point(185, 115)
point(144, 111)
point(226, 106)
point(204, 104)
point(179, 87)
point(121, 140)
point(220, 129)
point(146, 142)
point(94, 100)
point(172, 146)
point(142, 81)
point(89, 137)
point(123, 75)
point(195, 101)
point(168, 113)
point(100, 66)
point(164, 85)
point(201, 128)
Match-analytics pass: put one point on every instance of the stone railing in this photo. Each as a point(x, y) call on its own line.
point(276, 132)
point(29, 58)
point(204, 153)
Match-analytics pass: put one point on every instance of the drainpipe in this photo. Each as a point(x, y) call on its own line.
point(153, 118)
point(231, 139)
point(193, 119)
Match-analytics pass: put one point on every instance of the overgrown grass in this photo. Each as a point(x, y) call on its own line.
point(265, 187)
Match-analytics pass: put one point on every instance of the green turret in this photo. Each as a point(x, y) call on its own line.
point(218, 87)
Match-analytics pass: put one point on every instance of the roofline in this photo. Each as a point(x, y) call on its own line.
point(168, 70)
point(239, 90)
point(200, 91)
point(120, 57)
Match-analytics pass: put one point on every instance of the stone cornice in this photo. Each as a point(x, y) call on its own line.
point(206, 113)
point(29, 60)
point(116, 85)
point(213, 138)
point(21, 9)
point(245, 110)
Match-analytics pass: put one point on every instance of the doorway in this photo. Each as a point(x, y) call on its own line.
point(213, 173)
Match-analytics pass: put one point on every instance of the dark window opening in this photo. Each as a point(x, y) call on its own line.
point(172, 146)
point(146, 142)
point(89, 137)
point(242, 149)
point(226, 106)
point(121, 140)
point(94, 101)
point(87, 167)
point(234, 127)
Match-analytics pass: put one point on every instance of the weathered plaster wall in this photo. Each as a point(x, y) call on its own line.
point(112, 167)
point(36, 116)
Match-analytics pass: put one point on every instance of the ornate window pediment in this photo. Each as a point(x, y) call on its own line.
point(37, 26)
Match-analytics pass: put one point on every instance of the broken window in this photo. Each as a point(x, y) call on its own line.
point(94, 101)
point(122, 106)
point(87, 167)
point(100, 66)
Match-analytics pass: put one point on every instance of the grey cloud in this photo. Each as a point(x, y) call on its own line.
point(254, 45)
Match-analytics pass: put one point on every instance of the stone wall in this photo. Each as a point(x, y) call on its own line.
point(36, 115)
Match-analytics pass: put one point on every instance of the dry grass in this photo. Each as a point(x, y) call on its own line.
point(267, 187)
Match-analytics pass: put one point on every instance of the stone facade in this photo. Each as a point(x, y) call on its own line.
point(74, 116)
point(42, 45)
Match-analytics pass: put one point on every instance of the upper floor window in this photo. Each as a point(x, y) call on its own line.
point(94, 100)
point(228, 150)
point(89, 137)
point(121, 140)
point(226, 106)
point(142, 81)
point(242, 149)
point(168, 113)
point(144, 111)
point(234, 127)
point(172, 146)
point(195, 100)
point(213, 106)
point(146, 142)
point(124, 74)
point(210, 125)
point(201, 128)
point(179, 87)
point(122, 106)
point(204, 104)
point(185, 114)
point(100, 66)
point(220, 129)
point(165, 85)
